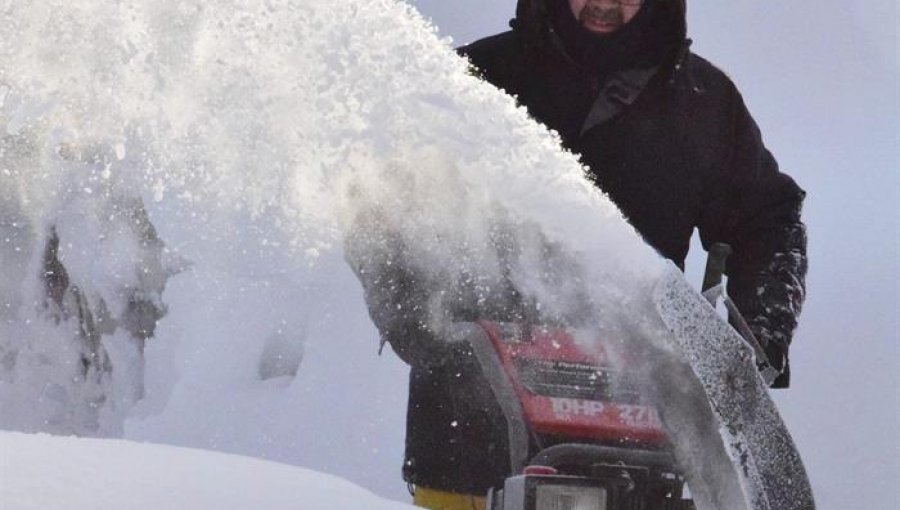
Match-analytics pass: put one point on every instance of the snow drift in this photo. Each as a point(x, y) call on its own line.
point(47, 473)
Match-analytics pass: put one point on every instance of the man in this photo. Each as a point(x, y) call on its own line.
point(666, 135)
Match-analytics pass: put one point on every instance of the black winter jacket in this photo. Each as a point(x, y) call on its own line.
point(671, 142)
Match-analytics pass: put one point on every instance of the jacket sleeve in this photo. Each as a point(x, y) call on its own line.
point(397, 294)
point(756, 209)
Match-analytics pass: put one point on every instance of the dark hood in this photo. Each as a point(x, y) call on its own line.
point(549, 24)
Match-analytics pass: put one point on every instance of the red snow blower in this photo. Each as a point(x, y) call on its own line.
point(600, 444)
point(599, 441)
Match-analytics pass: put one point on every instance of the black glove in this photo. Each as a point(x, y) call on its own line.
point(775, 344)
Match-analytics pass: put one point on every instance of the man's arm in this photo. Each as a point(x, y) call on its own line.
point(756, 210)
point(397, 294)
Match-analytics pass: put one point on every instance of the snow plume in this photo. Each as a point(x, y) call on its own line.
point(277, 124)
point(472, 192)
point(241, 146)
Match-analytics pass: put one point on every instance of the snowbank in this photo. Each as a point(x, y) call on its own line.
point(42, 472)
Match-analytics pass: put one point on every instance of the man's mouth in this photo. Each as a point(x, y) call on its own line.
point(598, 19)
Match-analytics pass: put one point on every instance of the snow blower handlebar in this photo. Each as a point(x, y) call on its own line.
point(715, 268)
point(713, 289)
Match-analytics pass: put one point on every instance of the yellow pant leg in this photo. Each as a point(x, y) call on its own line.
point(440, 500)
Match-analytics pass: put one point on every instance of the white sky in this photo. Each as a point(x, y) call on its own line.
point(821, 79)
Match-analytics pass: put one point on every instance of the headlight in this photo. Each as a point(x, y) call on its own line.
point(569, 497)
point(550, 492)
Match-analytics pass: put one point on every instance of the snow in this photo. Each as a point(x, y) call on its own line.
point(43, 472)
point(252, 165)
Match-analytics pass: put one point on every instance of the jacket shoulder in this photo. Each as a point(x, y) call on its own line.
point(704, 76)
point(491, 48)
point(499, 59)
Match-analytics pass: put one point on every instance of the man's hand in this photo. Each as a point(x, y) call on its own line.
point(775, 344)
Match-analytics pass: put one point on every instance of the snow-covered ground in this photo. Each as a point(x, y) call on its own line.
point(41, 472)
point(254, 133)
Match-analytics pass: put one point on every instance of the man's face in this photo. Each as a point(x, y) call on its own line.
point(604, 16)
